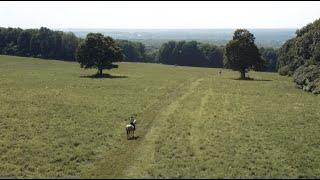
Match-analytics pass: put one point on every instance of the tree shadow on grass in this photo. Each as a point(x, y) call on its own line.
point(250, 79)
point(97, 76)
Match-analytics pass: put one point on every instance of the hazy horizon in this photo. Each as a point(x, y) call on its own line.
point(178, 29)
point(159, 15)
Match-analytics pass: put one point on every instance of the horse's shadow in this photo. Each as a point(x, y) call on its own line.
point(134, 138)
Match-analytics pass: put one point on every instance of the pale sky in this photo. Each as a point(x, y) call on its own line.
point(155, 15)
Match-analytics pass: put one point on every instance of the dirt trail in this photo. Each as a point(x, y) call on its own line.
point(123, 162)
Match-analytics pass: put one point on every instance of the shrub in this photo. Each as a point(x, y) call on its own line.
point(283, 71)
point(308, 78)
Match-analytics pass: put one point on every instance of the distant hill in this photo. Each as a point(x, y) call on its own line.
point(155, 37)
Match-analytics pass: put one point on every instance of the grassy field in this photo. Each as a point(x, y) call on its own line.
point(56, 121)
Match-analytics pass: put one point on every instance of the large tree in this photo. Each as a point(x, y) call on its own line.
point(97, 51)
point(241, 53)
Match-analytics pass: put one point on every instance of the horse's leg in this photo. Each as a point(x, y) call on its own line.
point(127, 134)
point(130, 134)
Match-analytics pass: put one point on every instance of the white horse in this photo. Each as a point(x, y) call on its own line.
point(130, 128)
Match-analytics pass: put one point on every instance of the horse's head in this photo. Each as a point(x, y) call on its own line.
point(134, 121)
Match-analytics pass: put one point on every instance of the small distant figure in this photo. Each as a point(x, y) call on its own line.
point(220, 72)
point(130, 128)
point(132, 122)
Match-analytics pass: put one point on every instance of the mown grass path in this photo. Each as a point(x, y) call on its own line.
point(145, 153)
point(134, 153)
point(198, 121)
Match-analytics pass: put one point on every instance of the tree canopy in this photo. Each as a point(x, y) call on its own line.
point(304, 49)
point(97, 51)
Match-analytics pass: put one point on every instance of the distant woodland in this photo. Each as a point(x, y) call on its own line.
point(52, 44)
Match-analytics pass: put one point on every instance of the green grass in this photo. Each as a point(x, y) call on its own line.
point(192, 122)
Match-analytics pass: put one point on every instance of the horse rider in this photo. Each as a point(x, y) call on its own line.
point(132, 122)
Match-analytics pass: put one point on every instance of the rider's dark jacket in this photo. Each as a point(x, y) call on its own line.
point(134, 126)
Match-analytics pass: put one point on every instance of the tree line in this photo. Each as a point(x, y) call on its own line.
point(191, 53)
point(51, 44)
point(300, 57)
point(195, 53)
point(241, 53)
point(42, 43)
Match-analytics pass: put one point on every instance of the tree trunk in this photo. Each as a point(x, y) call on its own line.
point(243, 74)
point(100, 72)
